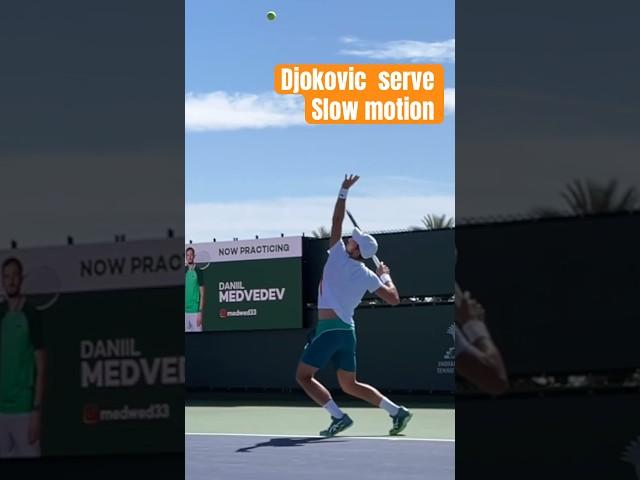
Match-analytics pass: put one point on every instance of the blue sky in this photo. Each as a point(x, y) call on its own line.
point(256, 168)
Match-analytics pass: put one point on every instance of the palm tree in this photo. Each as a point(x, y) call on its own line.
point(590, 197)
point(433, 222)
point(321, 232)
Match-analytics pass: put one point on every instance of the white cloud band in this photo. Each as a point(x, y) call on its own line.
point(224, 111)
point(412, 50)
point(293, 216)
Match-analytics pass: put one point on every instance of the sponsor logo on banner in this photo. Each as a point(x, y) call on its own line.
point(268, 248)
point(92, 414)
point(448, 362)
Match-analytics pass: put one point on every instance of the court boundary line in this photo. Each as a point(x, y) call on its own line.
point(389, 438)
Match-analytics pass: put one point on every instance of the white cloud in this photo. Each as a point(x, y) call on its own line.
point(293, 216)
point(41, 215)
point(411, 50)
point(220, 110)
point(406, 183)
point(349, 39)
point(449, 100)
point(224, 111)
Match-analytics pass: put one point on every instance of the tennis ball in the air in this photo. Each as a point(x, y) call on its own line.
point(271, 15)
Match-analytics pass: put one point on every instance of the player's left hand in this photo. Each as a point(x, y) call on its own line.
point(34, 428)
point(199, 319)
point(349, 181)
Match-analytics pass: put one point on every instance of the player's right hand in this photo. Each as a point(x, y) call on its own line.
point(469, 309)
point(382, 269)
point(34, 428)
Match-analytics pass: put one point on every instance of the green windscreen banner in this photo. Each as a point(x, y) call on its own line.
point(109, 316)
point(251, 285)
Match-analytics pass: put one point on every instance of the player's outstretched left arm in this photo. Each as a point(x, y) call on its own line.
point(40, 358)
point(201, 311)
point(201, 288)
point(35, 421)
point(339, 210)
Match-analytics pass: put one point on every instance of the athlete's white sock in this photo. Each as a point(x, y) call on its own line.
point(333, 409)
point(389, 406)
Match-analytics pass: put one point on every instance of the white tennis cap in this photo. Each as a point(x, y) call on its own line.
point(366, 243)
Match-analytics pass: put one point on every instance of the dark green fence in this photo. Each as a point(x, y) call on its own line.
point(408, 348)
point(399, 348)
point(422, 262)
point(559, 293)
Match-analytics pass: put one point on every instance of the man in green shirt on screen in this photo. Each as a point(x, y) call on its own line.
point(22, 368)
point(193, 293)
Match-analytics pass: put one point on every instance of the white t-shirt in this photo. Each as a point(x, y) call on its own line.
point(344, 283)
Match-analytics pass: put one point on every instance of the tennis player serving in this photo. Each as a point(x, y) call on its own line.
point(345, 280)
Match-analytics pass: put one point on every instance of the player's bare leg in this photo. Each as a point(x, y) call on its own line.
point(363, 391)
point(319, 394)
point(349, 385)
point(312, 387)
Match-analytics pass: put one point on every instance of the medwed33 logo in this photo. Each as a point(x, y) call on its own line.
point(91, 414)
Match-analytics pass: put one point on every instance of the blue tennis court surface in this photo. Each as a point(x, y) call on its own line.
point(266, 457)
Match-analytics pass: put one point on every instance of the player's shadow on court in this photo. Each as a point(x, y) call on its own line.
point(287, 442)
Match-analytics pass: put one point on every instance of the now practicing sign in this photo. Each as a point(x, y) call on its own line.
point(251, 284)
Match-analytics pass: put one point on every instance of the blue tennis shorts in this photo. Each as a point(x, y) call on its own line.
point(333, 340)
